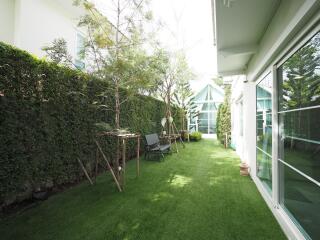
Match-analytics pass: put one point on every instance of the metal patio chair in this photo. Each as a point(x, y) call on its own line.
point(153, 145)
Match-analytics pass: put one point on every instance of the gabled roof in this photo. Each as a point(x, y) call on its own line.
point(198, 85)
point(211, 92)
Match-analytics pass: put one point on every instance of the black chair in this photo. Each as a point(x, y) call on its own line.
point(153, 145)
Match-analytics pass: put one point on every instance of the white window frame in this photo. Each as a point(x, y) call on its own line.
point(76, 55)
point(267, 71)
point(290, 227)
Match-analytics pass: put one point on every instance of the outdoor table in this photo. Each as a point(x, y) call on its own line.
point(170, 138)
point(122, 138)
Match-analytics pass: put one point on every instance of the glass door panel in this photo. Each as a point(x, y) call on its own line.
point(299, 137)
point(264, 131)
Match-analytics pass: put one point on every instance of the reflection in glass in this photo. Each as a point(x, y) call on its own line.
point(301, 124)
point(299, 136)
point(264, 131)
point(300, 140)
point(301, 198)
point(302, 155)
point(264, 168)
point(300, 77)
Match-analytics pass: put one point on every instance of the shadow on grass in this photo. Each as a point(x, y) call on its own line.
point(196, 194)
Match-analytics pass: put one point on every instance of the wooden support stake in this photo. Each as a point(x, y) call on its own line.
point(180, 138)
point(175, 142)
point(117, 160)
point(97, 165)
point(138, 157)
point(123, 170)
point(109, 167)
point(226, 140)
point(85, 171)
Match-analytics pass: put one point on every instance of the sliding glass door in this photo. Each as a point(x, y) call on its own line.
point(264, 131)
point(299, 137)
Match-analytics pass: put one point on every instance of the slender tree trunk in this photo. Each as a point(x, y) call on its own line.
point(117, 102)
point(116, 94)
point(169, 110)
point(94, 51)
point(183, 121)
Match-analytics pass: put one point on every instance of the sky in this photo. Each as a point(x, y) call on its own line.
point(186, 24)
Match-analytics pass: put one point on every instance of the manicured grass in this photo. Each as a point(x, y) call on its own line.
point(196, 194)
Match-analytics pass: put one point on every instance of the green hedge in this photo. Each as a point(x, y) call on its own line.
point(47, 121)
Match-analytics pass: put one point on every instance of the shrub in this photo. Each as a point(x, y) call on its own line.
point(48, 121)
point(195, 136)
point(224, 118)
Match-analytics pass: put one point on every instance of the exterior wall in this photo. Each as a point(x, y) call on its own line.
point(236, 115)
point(33, 24)
point(7, 8)
point(249, 120)
point(245, 145)
point(42, 21)
point(292, 21)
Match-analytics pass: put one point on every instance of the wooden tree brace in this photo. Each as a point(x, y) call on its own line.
point(109, 166)
point(85, 171)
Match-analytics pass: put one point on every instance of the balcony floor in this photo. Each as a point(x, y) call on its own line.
point(196, 194)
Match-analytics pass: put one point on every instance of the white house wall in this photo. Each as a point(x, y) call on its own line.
point(39, 22)
point(236, 99)
point(293, 23)
point(290, 20)
point(7, 20)
point(249, 120)
point(33, 24)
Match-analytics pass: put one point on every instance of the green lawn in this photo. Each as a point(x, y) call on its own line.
point(196, 194)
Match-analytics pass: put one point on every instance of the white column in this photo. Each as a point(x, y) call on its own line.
point(249, 122)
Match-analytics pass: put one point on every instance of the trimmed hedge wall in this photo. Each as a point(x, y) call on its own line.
point(46, 124)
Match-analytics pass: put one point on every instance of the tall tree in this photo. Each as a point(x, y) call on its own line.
point(184, 99)
point(58, 52)
point(183, 94)
point(116, 48)
point(175, 73)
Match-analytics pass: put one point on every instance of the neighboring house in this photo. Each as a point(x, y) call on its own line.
point(276, 106)
point(33, 24)
point(208, 96)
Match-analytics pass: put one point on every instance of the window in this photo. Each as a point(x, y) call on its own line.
point(79, 61)
point(208, 101)
point(193, 123)
point(299, 137)
point(264, 131)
